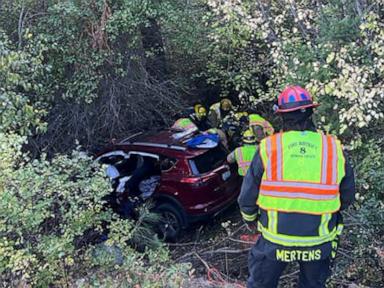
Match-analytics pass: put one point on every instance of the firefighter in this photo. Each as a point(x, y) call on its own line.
point(260, 127)
point(218, 111)
point(295, 188)
point(184, 124)
point(199, 117)
point(243, 155)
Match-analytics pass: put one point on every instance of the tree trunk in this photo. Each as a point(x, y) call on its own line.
point(152, 41)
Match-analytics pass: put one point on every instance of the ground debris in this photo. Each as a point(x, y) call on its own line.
point(217, 252)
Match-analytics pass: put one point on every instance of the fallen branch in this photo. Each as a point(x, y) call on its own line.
point(202, 261)
point(241, 241)
point(229, 251)
point(290, 274)
point(341, 252)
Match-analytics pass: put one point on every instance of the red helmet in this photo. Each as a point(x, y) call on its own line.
point(294, 98)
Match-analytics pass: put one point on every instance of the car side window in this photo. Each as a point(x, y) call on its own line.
point(208, 161)
point(119, 161)
point(166, 164)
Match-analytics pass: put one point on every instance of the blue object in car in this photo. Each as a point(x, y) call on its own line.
point(204, 141)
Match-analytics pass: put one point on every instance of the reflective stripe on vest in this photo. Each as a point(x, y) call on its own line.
point(323, 228)
point(302, 241)
point(272, 221)
point(244, 156)
point(248, 217)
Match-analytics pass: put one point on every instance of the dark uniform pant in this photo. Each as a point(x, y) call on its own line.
point(265, 272)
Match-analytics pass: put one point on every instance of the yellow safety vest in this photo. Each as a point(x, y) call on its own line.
point(244, 156)
point(302, 174)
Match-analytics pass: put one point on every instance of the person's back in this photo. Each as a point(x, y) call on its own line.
point(300, 181)
point(184, 124)
point(218, 111)
point(244, 154)
point(297, 179)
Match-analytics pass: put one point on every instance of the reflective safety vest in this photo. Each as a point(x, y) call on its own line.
point(184, 124)
point(302, 174)
point(244, 156)
point(256, 119)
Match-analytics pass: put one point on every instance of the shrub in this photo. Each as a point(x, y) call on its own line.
point(52, 218)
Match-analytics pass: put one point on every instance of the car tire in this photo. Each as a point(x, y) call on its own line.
point(171, 222)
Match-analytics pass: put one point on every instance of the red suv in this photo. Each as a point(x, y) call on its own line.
point(193, 185)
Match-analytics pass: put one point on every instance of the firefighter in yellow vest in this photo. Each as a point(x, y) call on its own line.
point(260, 127)
point(243, 155)
point(294, 190)
point(218, 111)
point(184, 124)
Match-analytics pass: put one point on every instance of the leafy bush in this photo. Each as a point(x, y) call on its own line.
point(52, 219)
point(52, 214)
point(46, 207)
point(21, 73)
point(361, 254)
point(305, 43)
point(99, 65)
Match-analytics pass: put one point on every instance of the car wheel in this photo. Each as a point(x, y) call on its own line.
point(170, 224)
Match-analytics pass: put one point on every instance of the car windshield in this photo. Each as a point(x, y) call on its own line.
point(208, 161)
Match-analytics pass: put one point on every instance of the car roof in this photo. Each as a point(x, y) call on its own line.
point(163, 142)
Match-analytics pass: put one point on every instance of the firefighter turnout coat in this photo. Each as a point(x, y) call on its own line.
point(297, 184)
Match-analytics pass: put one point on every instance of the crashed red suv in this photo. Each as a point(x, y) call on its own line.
point(196, 185)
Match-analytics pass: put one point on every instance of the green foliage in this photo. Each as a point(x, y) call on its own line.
point(46, 207)
point(52, 216)
point(76, 65)
point(331, 48)
point(370, 171)
point(21, 73)
point(236, 55)
point(361, 257)
point(100, 61)
point(362, 251)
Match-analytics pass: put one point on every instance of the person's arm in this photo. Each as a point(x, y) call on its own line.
point(250, 189)
point(347, 186)
point(231, 158)
point(213, 119)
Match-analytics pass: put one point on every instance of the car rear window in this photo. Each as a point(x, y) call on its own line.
point(208, 161)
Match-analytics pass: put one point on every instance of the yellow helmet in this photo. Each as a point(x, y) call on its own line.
point(239, 115)
point(200, 111)
point(226, 104)
point(249, 137)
